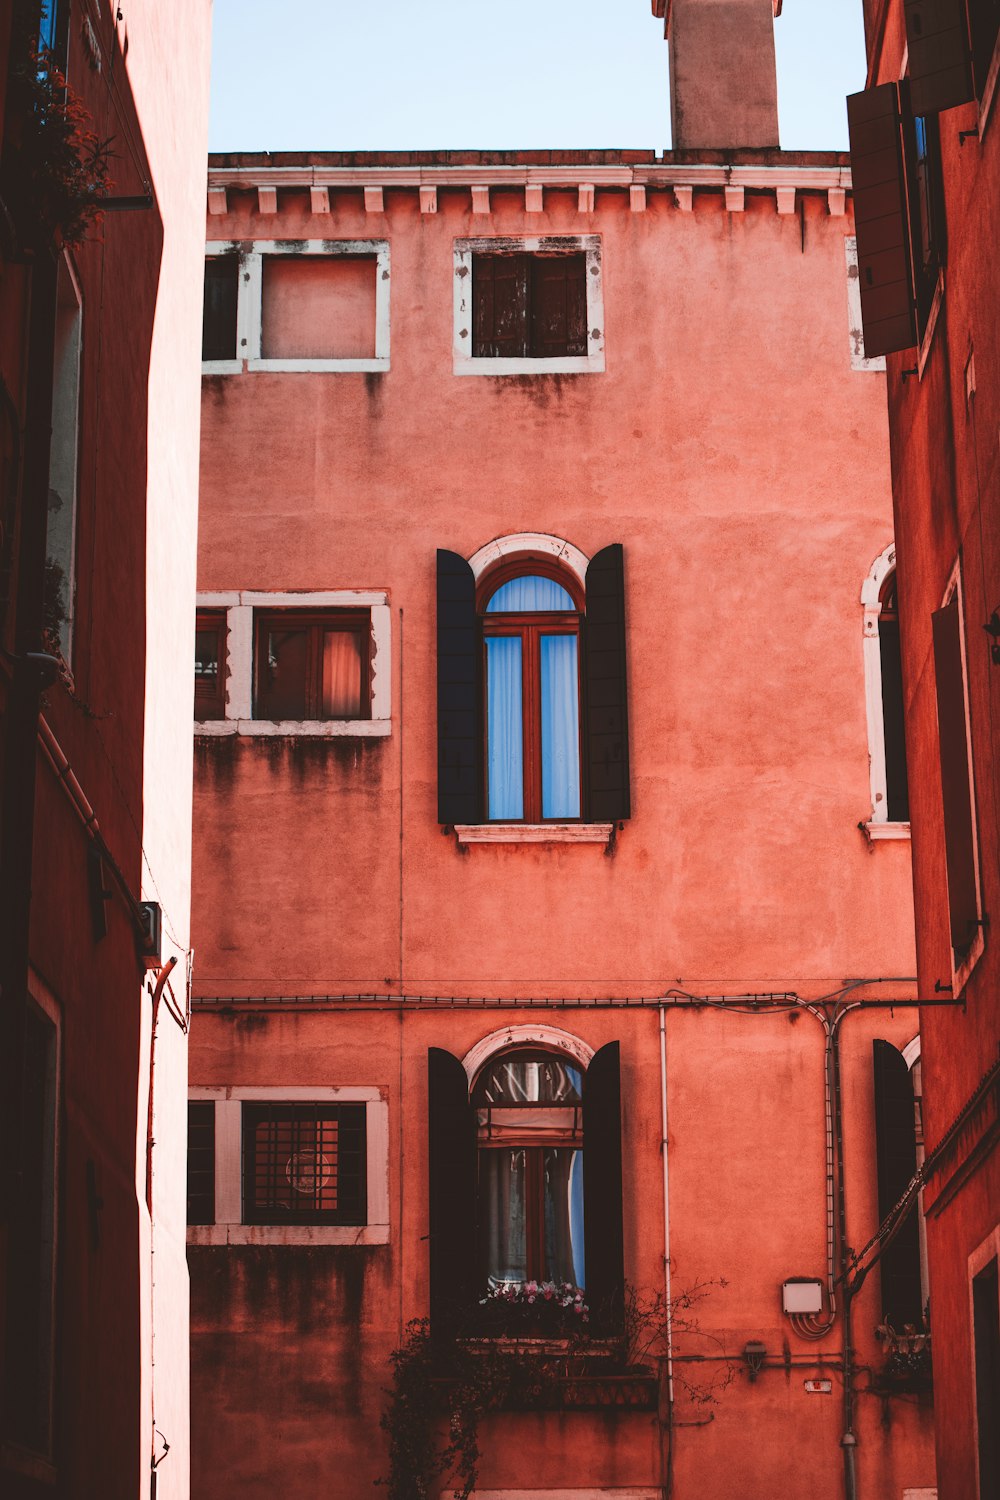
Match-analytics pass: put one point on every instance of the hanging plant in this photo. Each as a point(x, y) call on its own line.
point(56, 169)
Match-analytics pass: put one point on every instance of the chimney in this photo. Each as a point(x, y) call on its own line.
point(723, 85)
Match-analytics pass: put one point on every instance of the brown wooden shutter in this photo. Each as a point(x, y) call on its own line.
point(451, 1151)
point(558, 305)
point(896, 1163)
point(602, 1189)
point(218, 340)
point(460, 773)
point(937, 44)
point(897, 794)
point(984, 24)
point(880, 218)
point(956, 790)
point(606, 729)
point(500, 306)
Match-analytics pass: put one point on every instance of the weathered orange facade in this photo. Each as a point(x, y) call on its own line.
point(722, 427)
point(99, 397)
point(944, 408)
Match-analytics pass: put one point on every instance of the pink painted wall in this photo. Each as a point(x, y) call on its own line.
point(744, 466)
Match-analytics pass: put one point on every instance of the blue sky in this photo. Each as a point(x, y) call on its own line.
point(417, 74)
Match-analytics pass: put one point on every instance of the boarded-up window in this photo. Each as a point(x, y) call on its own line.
point(318, 307)
point(956, 784)
point(304, 1164)
point(529, 306)
point(218, 334)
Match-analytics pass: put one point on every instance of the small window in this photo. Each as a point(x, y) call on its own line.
point(201, 1162)
point(317, 307)
point(60, 543)
point(925, 193)
point(304, 1164)
point(529, 306)
point(219, 326)
point(312, 666)
point(209, 660)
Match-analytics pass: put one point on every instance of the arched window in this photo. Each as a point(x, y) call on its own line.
point(531, 672)
point(884, 698)
point(529, 1135)
point(531, 680)
point(525, 1171)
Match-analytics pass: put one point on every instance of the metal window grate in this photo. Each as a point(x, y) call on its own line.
point(201, 1162)
point(304, 1164)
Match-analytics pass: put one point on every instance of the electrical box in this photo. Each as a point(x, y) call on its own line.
point(801, 1294)
point(149, 938)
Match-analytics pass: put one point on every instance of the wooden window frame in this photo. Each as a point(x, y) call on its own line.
point(317, 623)
point(529, 627)
point(534, 1160)
point(209, 707)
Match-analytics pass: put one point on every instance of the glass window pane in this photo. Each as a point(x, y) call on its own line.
point(206, 660)
point(283, 674)
point(505, 734)
point(560, 727)
point(341, 698)
point(528, 595)
point(563, 1188)
point(529, 1078)
point(501, 1188)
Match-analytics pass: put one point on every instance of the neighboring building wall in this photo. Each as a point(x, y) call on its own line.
point(112, 829)
point(943, 433)
point(721, 435)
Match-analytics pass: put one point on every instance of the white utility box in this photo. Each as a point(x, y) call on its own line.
point(801, 1295)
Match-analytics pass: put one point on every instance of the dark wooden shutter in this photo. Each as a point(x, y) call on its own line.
point(984, 23)
point(880, 219)
point(937, 46)
point(459, 760)
point(218, 340)
point(602, 1188)
point(500, 306)
point(896, 1162)
point(451, 1153)
point(558, 305)
point(986, 1348)
point(606, 730)
point(893, 735)
point(956, 790)
point(201, 1162)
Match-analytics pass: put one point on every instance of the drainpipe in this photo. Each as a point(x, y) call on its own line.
point(667, 1466)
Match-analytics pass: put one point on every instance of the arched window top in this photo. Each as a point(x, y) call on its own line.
point(529, 593)
point(536, 1040)
point(529, 1077)
point(887, 596)
point(521, 547)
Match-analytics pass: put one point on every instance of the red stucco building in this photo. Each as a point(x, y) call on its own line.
point(98, 517)
point(925, 147)
point(552, 864)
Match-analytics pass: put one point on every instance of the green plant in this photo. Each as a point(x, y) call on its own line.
point(55, 168)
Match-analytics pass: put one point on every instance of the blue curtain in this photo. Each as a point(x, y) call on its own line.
point(529, 595)
point(560, 727)
point(505, 736)
point(576, 1211)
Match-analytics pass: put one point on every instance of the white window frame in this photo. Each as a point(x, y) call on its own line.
point(583, 364)
point(961, 974)
point(988, 1250)
point(878, 825)
point(236, 663)
point(229, 1228)
point(249, 304)
point(859, 360)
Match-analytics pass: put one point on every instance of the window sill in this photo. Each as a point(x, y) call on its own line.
point(885, 832)
point(222, 367)
point(371, 366)
point(288, 1234)
point(323, 729)
point(570, 364)
point(534, 833)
